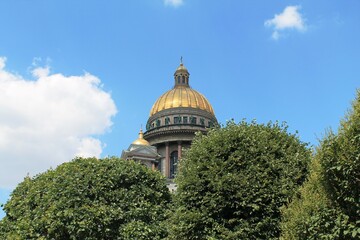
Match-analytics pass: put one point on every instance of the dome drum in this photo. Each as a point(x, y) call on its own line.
point(181, 117)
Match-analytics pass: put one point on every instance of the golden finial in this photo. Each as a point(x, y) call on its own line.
point(141, 140)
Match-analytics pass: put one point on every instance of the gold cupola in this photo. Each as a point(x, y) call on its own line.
point(182, 95)
point(141, 140)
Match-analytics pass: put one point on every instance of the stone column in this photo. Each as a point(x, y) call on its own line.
point(179, 150)
point(167, 160)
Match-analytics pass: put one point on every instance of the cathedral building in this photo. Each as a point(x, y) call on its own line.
point(174, 119)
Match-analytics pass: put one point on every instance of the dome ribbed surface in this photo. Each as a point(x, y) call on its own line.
point(181, 96)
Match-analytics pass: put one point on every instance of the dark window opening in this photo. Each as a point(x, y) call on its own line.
point(159, 165)
point(177, 120)
point(202, 122)
point(158, 123)
point(193, 120)
point(183, 79)
point(185, 120)
point(167, 121)
point(173, 163)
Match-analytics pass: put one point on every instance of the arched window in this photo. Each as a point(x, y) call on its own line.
point(183, 79)
point(178, 79)
point(173, 163)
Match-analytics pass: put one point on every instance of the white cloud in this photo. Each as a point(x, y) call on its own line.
point(49, 120)
point(2, 62)
point(174, 3)
point(290, 18)
point(41, 72)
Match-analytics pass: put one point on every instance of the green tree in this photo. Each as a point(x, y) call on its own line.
point(88, 199)
point(328, 206)
point(233, 181)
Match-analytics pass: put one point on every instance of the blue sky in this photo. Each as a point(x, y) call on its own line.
point(80, 77)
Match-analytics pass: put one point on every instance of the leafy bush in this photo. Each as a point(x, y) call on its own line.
point(233, 181)
point(88, 199)
point(328, 206)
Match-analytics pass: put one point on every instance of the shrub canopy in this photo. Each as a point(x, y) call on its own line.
point(233, 181)
point(329, 203)
point(88, 199)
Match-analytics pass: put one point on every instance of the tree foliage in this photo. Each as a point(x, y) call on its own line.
point(329, 203)
point(233, 181)
point(88, 199)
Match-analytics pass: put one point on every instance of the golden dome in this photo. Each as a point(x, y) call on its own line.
point(181, 96)
point(141, 140)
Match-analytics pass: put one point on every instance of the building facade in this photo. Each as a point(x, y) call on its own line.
point(174, 119)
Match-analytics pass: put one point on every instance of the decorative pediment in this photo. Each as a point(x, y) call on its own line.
point(146, 151)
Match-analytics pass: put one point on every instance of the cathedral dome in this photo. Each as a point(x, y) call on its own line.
point(179, 113)
point(181, 96)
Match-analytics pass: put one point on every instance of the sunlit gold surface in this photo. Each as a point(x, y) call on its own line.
point(141, 140)
point(181, 96)
point(181, 67)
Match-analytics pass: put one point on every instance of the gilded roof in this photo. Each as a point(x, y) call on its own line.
point(181, 96)
point(141, 140)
